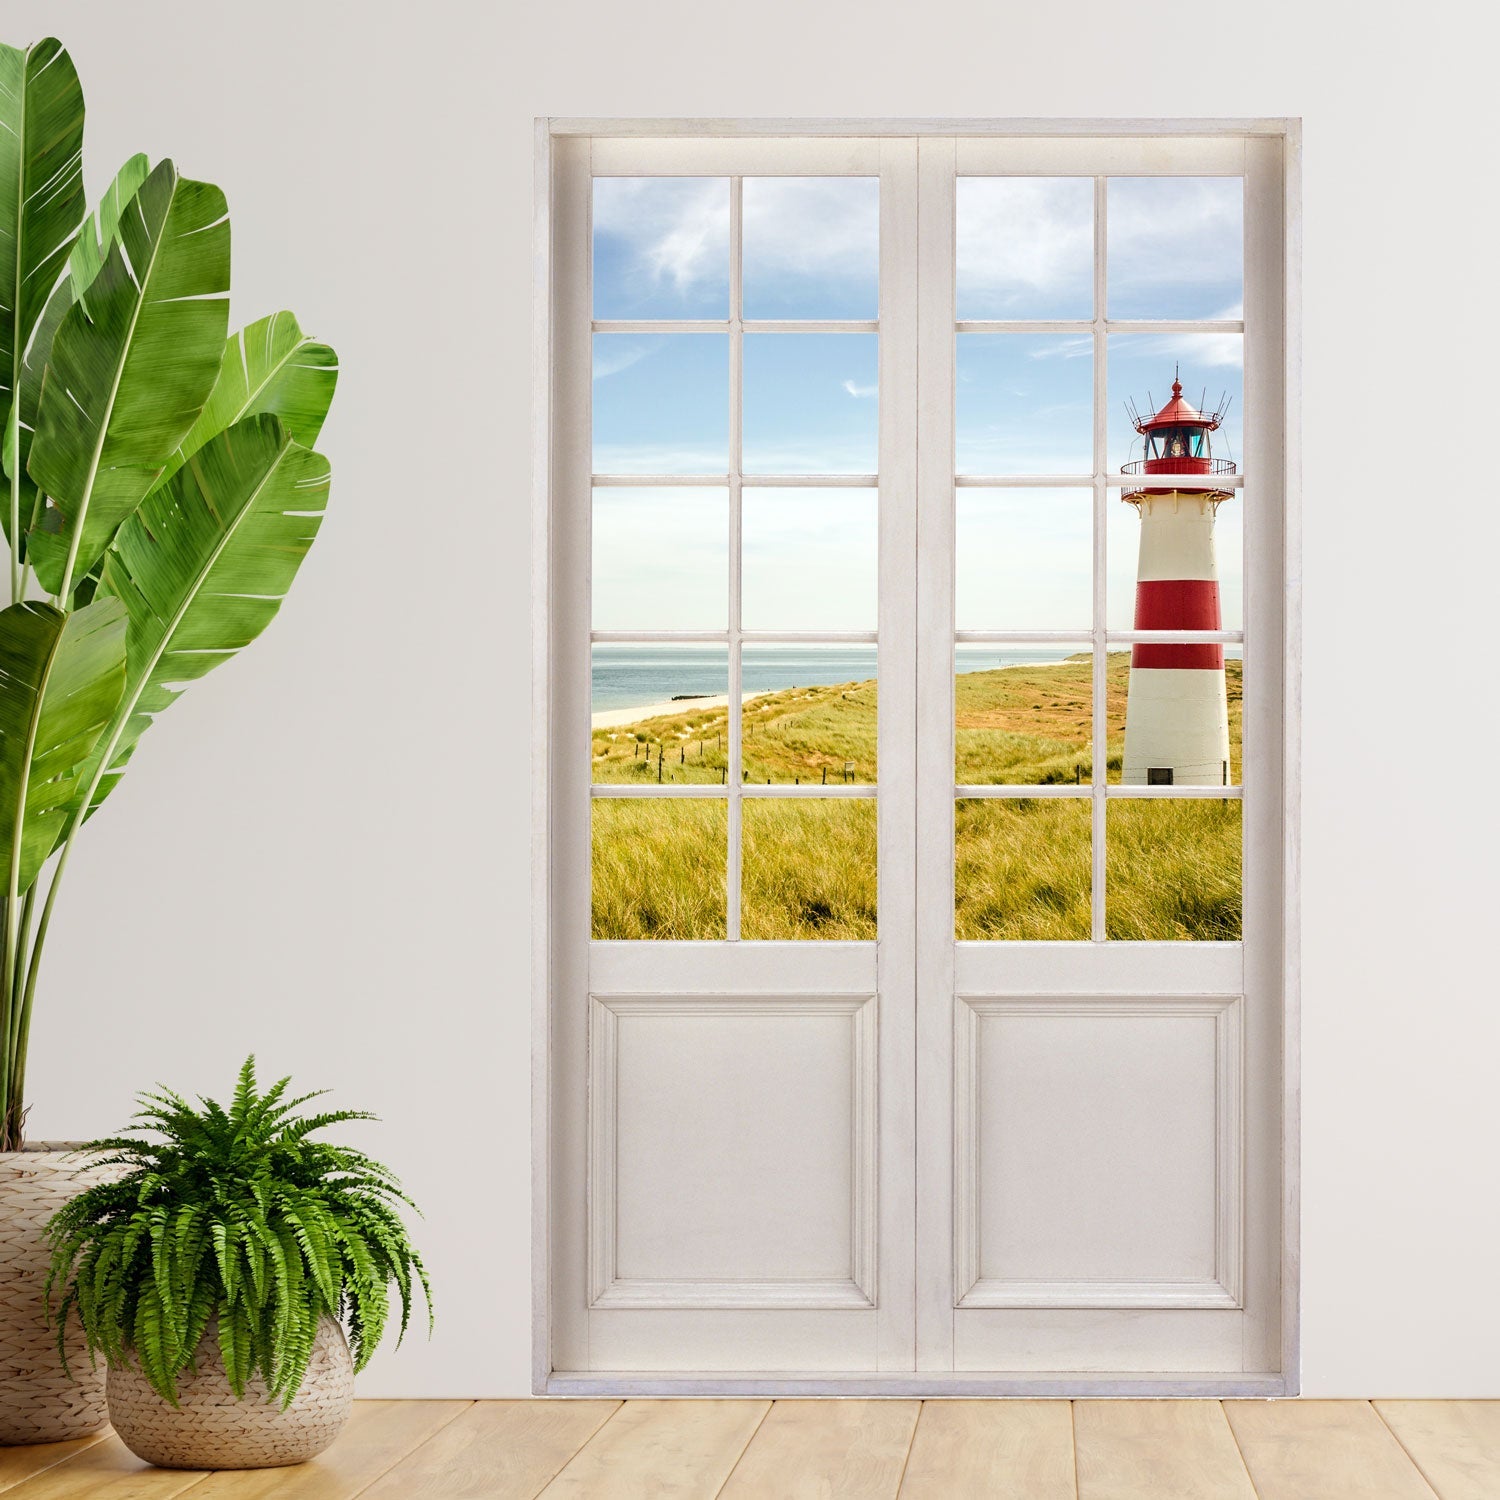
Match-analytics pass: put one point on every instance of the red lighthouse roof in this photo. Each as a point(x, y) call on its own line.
point(1179, 413)
point(1177, 442)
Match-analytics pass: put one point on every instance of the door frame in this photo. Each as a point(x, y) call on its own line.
point(1282, 133)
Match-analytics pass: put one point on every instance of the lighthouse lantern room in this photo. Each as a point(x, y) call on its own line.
point(1177, 712)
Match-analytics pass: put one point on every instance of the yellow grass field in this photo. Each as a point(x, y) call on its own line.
point(1172, 868)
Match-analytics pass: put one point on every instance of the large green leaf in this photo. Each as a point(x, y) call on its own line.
point(99, 231)
point(102, 227)
point(61, 677)
point(129, 369)
point(41, 204)
point(18, 435)
point(202, 568)
point(271, 366)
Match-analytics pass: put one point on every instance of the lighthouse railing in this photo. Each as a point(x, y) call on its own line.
point(1187, 466)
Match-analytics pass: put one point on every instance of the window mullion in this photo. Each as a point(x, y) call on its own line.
point(736, 535)
point(1101, 561)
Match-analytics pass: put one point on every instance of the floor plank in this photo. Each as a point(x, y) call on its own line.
point(1333, 1450)
point(669, 1450)
point(1456, 1444)
point(497, 1450)
point(1143, 1450)
point(1003, 1450)
point(26, 1459)
point(808, 1450)
point(379, 1435)
point(106, 1470)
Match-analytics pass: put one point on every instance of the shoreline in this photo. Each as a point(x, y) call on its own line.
point(618, 718)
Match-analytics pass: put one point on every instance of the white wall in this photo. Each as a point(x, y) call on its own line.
point(322, 853)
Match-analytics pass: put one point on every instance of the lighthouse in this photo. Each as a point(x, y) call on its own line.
point(1177, 713)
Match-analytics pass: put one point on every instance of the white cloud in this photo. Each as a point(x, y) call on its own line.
point(676, 228)
point(1021, 240)
point(1079, 348)
point(811, 226)
point(613, 354)
point(674, 232)
point(861, 391)
point(1194, 351)
point(1175, 231)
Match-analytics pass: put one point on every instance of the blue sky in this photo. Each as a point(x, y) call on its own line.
point(1024, 400)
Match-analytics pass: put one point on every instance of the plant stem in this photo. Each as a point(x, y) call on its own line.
point(23, 937)
point(16, 1073)
point(13, 447)
point(8, 1013)
point(11, 1085)
point(8, 985)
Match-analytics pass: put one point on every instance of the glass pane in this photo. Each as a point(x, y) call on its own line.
point(1202, 537)
point(1142, 367)
point(1025, 559)
point(811, 559)
point(1175, 715)
point(661, 247)
point(808, 868)
point(1025, 247)
point(1023, 869)
point(810, 403)
point(660, 714)
point(1025, 403)
point(812, 247)
point(659, 867)
point(1172, 870)
point(1176, 247)
point(809, 715)
point(661, 403)
point(1023, 720)
point(661, 559)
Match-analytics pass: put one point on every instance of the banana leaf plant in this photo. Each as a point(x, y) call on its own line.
point(160, 488)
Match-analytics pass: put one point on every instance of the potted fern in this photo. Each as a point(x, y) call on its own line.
point(159, 494)
point(217, 1275)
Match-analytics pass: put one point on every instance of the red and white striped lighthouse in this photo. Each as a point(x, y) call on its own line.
point(1177, 714)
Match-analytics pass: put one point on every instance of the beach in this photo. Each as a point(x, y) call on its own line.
point(616, 718)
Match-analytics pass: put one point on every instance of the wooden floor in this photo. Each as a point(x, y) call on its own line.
point(863, 1450)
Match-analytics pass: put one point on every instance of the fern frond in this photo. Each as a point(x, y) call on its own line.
point(232, 1223)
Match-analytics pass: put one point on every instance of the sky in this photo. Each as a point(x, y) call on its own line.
point(1024, 400)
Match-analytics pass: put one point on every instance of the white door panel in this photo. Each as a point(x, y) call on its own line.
point(733, 1151)
point(1097, 1142)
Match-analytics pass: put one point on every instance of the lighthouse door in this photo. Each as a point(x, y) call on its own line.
point(910, 831)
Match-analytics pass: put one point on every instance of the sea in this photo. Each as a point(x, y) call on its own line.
point(634, 676)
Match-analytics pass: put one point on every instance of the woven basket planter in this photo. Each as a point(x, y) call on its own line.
point(38, 1402)
point(209, 1429)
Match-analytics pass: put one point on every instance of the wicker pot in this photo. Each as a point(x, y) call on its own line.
point(38, 1402)
point(209, 1429)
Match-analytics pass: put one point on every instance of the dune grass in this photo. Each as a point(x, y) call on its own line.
point(1172, 869)
point(659, 868)
point(809, 869)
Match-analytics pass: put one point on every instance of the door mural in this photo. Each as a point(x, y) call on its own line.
point(916, 899)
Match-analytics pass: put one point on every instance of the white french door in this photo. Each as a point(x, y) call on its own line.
point(889, 1040)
